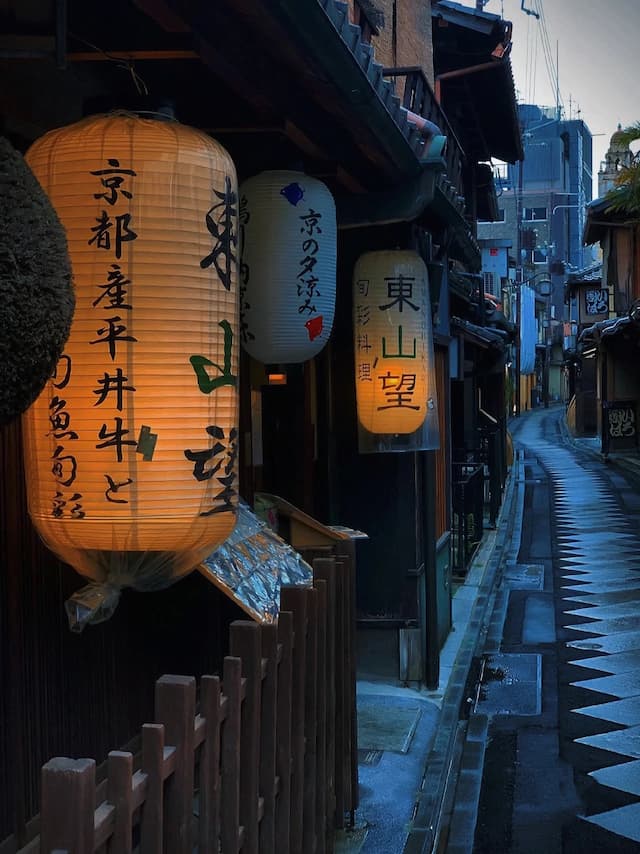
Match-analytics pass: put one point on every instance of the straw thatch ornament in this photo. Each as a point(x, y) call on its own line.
point(36, 293)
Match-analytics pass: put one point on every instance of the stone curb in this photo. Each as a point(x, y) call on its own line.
point(629, 463)
point(446, 747)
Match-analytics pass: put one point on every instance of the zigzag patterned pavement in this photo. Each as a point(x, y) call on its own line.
point(598, 555)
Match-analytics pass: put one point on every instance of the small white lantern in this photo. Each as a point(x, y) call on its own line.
point(393, 342)
point(288, 237)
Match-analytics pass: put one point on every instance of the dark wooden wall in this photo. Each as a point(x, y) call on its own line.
point(82, 694)
point(442, 455)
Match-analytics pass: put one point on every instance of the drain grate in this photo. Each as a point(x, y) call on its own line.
point(369, 757)
point(511, 684)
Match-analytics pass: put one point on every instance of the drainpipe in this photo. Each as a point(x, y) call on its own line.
point(461, 72)
point(428, 128)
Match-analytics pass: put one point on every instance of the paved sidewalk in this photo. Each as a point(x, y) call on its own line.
point(409, 736)
point(592, 445)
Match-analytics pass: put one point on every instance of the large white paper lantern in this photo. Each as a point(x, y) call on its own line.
point(393, 342)
point(131, 449)
point(288, 267)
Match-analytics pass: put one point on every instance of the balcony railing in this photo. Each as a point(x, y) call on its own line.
point(418, 97)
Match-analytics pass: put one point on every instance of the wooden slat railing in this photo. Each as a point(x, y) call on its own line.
point(260, 761)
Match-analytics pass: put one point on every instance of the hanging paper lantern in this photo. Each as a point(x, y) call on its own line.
point(393, 342)
point(131, 449)
point(288, 268)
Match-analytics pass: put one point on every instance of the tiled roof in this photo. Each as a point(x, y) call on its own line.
point(385, 89)
point(593, 273)
point(338, 13)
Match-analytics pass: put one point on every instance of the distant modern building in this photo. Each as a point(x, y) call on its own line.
point(541, 210)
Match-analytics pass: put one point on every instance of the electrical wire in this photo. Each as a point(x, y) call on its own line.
point(552, 69)
point(124, 64)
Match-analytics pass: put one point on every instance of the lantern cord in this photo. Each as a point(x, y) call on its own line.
point(138, 82)
point(126, 65)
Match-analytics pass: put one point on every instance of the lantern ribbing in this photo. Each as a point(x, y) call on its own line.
point(131, 450)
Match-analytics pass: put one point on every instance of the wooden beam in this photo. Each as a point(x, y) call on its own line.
point(130, 55)
point(304, 142)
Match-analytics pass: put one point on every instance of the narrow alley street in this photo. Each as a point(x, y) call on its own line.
point(558, 696)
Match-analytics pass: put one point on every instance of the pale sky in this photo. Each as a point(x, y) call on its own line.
point(598, 50)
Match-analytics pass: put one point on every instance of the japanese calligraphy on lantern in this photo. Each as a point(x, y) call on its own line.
point(64, 468)
point(112, 308)
point(392, 341)
point(132, 449)
point(288, 266)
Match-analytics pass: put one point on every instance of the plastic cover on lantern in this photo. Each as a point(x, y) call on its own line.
point(254, 564)
point(150, 211)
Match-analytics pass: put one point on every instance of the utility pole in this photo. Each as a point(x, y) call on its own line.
point(557, 81)
point(519, 278)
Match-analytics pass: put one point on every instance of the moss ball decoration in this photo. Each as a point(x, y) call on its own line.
point(36, 291)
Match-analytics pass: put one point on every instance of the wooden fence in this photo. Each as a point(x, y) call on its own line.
point(260, 760)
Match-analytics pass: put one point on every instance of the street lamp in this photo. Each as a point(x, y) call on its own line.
point(557, 207)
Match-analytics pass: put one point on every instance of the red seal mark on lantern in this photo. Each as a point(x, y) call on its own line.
point(314, 326)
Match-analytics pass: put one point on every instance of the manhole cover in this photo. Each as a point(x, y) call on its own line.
point(511, 684)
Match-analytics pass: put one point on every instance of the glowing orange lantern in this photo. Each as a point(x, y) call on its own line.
point(131, 449)
point(393, 342)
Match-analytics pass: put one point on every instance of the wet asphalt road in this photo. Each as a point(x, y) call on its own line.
point(561, 682)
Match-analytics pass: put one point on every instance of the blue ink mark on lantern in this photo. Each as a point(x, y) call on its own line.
point(293, 193)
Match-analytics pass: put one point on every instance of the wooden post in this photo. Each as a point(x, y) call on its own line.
point(246, 643)
point(347, 554)
point(268, 729)
point(310, 725)
point(120, 772)
point(341, 735)
point(68, 805)
point(283, 734)
point(230, 790)
point(175, 708)
point(321, 759)
point(294, 599)
point(324, 569)
point(209, 827)
point(152, 816)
